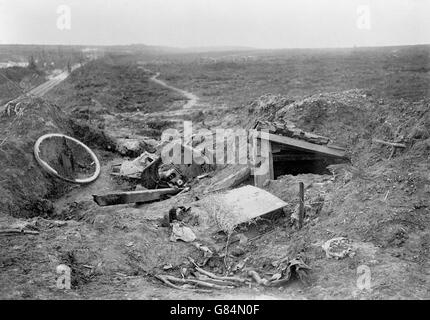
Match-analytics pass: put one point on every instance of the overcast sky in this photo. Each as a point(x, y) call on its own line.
point(189, 23)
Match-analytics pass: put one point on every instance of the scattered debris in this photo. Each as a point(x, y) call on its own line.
point(214, 276)
point(134, 169)
point(240, 265)
point(172, 176)
point(191, 283)
point(182, 233)
point(187, 284)
point(129, 147)
point(175, 214)
point(183, 287)
point(286, 270)
point(394, 145)
point(207, 253)
point(338, 248)
point(57, 223)
point(205, 278)
point(200, 283)
point(256, 277)
point(167, 267)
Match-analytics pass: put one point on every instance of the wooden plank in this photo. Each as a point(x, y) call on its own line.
point(140, 196)
point(303, 145)
point(249, 202)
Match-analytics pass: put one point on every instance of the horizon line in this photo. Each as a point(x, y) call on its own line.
point(224, 47)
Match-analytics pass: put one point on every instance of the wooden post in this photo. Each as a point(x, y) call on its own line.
point(302, 203)
point(266, 148)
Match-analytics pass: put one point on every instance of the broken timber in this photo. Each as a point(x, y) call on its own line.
point(395, 145)
point(140, 196)
point(392, 144)
point(304, 145)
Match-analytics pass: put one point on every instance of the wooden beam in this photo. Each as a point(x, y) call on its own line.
point(140, 196)
point(272, 171)
point(298, 157)
point(260, 179)
point(303, 145)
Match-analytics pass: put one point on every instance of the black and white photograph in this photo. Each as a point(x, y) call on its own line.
point(215, 150)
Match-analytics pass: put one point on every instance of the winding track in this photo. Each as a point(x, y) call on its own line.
point(192, 98)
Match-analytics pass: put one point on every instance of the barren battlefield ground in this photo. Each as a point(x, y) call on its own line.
point(381, 205)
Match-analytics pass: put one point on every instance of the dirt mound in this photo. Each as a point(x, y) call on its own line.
point(352, 118)
point(265, 108)
point(383, 198)
point(92, 136)
point(25, 188)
